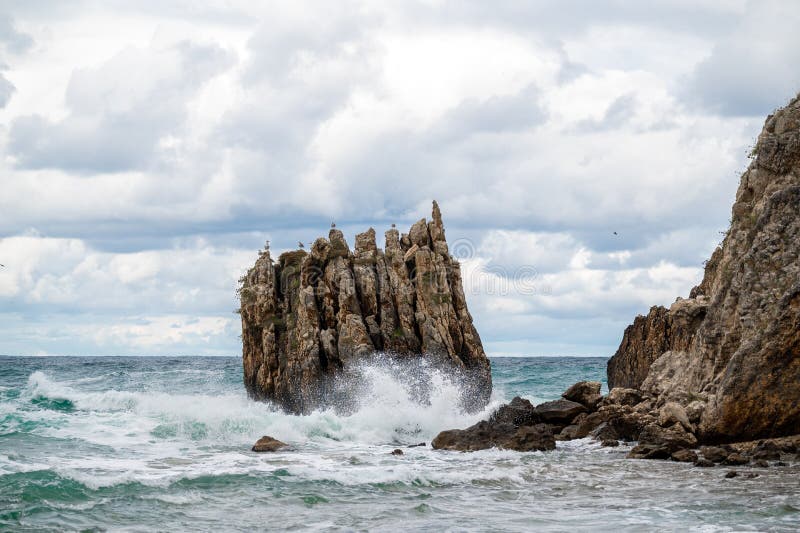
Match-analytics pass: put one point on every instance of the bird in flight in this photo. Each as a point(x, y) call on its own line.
point(615, 233)
point(300, 244)
point(2, 266)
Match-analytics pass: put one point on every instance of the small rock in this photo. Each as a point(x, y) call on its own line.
point(761, 463)
point(519, 412)
point(568, 433)
point(714, 453)
point(703, 463)
point(649, 451)
point(789, 447)
point(695, 411)
point(674, 437)
point(397, 451)
point(673, 412)
point(485, 435)
point(767, 450)
point(684, 456)
point(586, 393)
point(604, 432)
point(531, 438)
point(751, 475)
point(558, 411)
point(609, 443)
point(623, 396)
point(731, 474)
point(736, 459)
point(586, 424)
point(417, 445)
point(780, 463)
point(268, 444)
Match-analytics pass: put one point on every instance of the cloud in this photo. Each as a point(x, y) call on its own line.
point(6, 91)
point(12, 39)
point(751, 71)
point(121, 113)
point(142, 165)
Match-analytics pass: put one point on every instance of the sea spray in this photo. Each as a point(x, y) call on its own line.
point(163, 444)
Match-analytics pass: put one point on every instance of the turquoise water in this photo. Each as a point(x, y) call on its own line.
point(144, 444)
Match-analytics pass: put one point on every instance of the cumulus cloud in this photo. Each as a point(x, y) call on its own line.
point(587, 155)
point(6, 90)
point(120, 113)
point(11, 38)
point(752, 70)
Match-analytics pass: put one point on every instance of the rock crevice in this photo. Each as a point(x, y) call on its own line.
point(308, 316)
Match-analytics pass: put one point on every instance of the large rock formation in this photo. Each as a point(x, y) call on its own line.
point(730, 353)
point(309, 317)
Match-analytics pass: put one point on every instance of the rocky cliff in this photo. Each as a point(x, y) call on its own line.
point(310, 316)
point(731, 352)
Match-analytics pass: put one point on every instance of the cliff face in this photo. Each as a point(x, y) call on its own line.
point(733, 348)
point(310, 316)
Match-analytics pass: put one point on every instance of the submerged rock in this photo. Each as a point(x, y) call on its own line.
point(312, 316)
point(730, 353)
point(268, 444)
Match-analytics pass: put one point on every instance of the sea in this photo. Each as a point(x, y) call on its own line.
point(163, 444)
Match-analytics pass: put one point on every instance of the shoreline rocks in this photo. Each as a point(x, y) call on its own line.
point(664, 433)
point(728, 357)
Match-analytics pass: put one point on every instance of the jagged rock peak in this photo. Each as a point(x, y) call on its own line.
point(309, 317)
point(732, 350)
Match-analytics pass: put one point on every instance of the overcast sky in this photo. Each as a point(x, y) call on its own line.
point(148, 149)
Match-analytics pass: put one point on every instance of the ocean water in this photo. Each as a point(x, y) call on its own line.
point(162, 444)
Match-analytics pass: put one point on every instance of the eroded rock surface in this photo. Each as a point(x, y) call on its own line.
point(311, 315)
point(730, 354)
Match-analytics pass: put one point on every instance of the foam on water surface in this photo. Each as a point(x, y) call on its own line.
point(139, 443)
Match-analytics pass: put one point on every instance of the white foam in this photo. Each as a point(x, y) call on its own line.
point(157, 438)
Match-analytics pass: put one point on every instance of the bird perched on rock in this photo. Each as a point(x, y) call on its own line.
point(333, 224)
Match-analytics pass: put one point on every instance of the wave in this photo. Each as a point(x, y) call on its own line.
point(388, 409)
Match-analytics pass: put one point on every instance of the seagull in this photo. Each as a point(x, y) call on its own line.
point(2, 266)
point(300, 244)
point(333, 224)
point(615, 233)
point(394, 225)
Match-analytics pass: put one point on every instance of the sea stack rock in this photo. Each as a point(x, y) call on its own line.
point(309, 316)
point(730, 353)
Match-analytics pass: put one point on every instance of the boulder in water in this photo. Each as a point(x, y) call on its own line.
point(268, 444)
point(485, 435)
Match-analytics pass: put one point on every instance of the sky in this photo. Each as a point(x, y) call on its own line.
point(585, 155)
